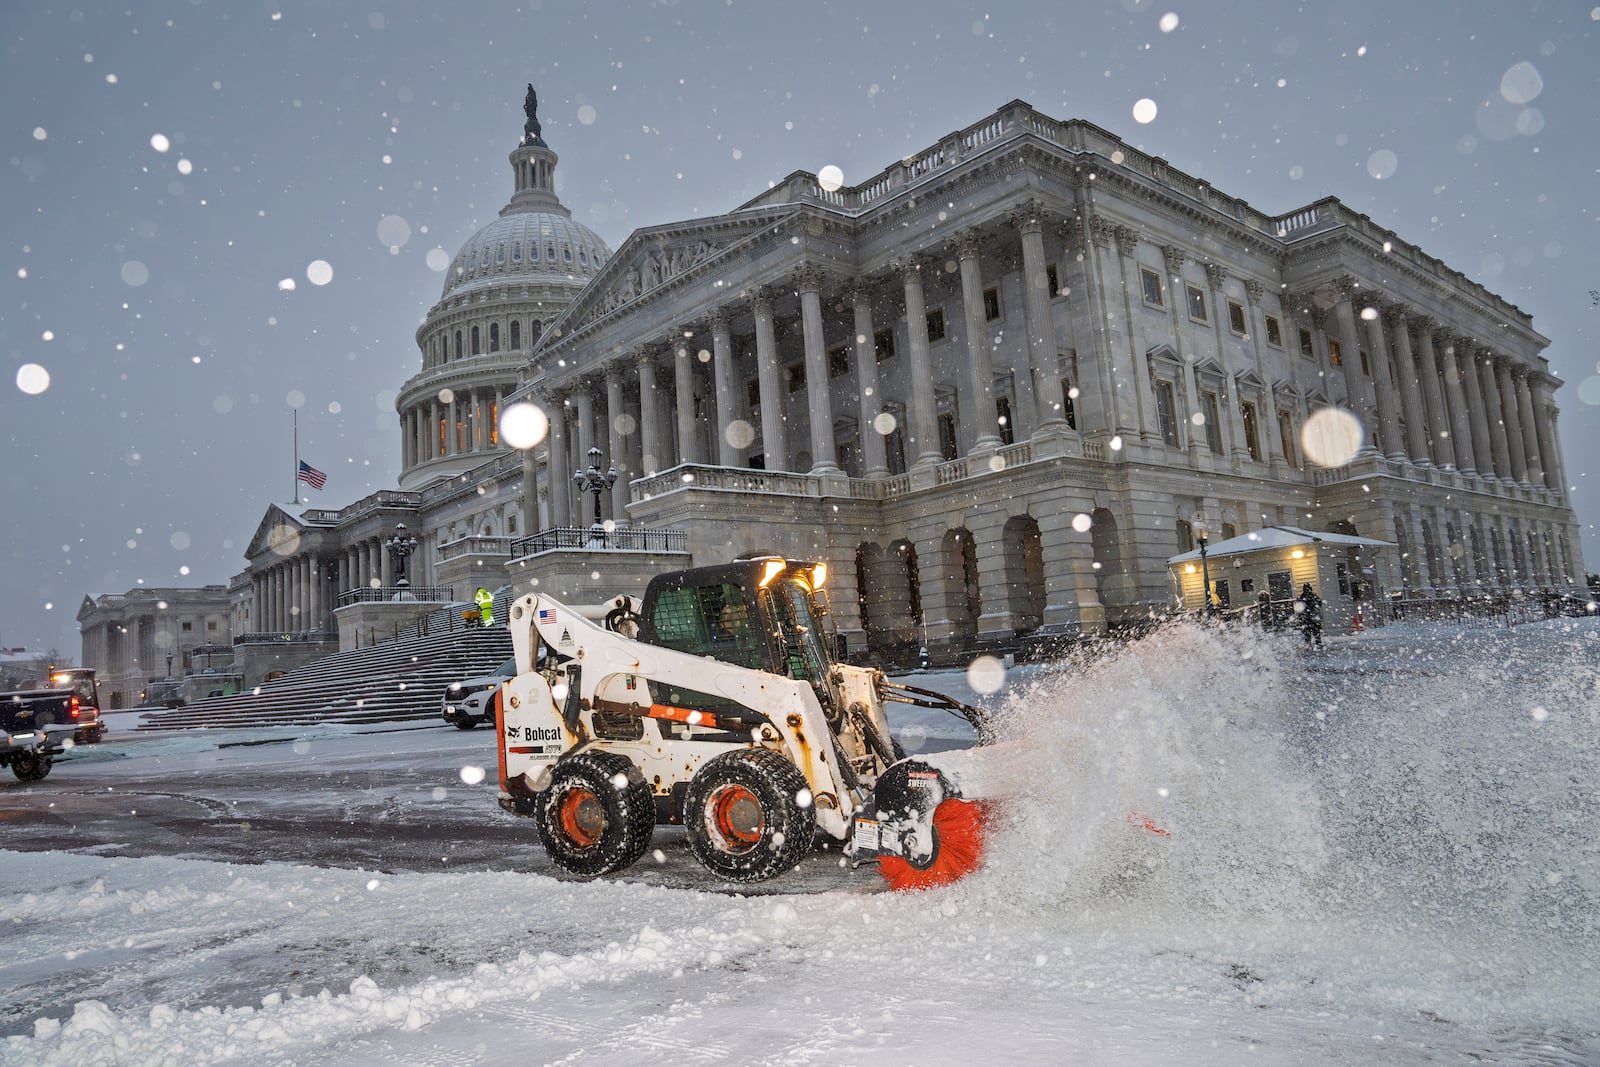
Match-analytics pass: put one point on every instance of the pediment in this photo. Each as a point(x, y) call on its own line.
point(276, 529)
point(653, 257)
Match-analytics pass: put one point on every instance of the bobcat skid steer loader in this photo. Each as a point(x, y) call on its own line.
point(720, 704)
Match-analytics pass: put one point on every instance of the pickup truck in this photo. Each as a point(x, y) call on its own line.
point(27, 750)
point(68, 702)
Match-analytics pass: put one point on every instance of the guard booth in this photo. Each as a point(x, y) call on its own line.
point(1346, 571)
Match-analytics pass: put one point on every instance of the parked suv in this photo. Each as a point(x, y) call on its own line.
point(469, 702)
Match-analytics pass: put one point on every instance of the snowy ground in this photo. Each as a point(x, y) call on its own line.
point(1382, 854)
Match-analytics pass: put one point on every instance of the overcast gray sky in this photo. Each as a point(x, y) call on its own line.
point(169, 167)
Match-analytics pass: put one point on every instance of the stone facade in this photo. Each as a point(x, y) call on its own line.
point(991, 386)
point(133, 637)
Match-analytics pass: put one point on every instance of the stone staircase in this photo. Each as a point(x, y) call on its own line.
point(392, 682)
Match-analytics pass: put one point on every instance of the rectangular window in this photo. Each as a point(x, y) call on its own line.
point(187, 627)
point(883, 344)
point(1343, 571)
point(211, 626)
point(1223, 599)
point(1197, 303)
point(839, 361)
point(1167, 413)
point(894, 447)
point(1213, 417)
point(1236, 318)
point(991, 303)
point(1335, 353)
point(1185, 536)
point(1366, 367)
point(752, 394)
point(947, 435)
point(1252, 440)
point(1247, 585)
point(1306, 348)
point(1052, 279)
point(794, 375)
point(1002, 409)
point(1286, 438)
point(1068, 412)
point(1280, 585)
point(936, 325)
point(1152, 287)
point(1274, 333)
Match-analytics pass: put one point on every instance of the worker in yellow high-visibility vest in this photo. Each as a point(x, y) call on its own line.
point(485, 600)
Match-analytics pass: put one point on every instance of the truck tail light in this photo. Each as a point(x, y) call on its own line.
point(72, 706)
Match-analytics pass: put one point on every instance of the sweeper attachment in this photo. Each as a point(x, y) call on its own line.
point(721, 703)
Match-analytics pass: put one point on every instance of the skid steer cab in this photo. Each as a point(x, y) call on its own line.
point(720, 703)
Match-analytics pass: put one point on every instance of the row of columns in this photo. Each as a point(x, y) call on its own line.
point(465, 423)
point(654, 449)
point(294, 595)
point(1459, 405)
point(1452, 550)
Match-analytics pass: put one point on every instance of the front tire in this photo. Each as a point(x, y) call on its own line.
point(31, 766)
point(466, 722)
point(744, 815)
point(598, 814)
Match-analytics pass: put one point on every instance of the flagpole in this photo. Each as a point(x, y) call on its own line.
point(296, 500)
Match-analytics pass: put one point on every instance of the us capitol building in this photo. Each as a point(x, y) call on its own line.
point(993, 386)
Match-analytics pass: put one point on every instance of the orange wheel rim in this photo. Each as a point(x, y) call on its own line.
point(737, 817)
point(581, 817)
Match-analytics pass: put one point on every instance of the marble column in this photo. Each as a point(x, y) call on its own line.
point(722, 374)
point(530, 491)
point(683, 398)
point(1544, 427)
point(1356, 397)
point(1511, 420)
point(583, 402)
point(1216, 281)
point(1493, 414)
point(385, 561)
point(452, 437)
point(1271, 443)
point(1187, 406)
point(560, 462)
point(1530, 433)
point(923, 433)
point(808, 282)
point(873, 454)
point(616, 442)
point(1411, 399)
point(1040, 324)
point(769, 377)
point(1477, 413)
point(649, 412)
point(1127, 398)
point(1441, 435)
point(982, 420)
point(1383, 386)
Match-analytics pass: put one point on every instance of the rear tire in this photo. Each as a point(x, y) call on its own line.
point(743, 818)
point(589, 823)
point(31, 766)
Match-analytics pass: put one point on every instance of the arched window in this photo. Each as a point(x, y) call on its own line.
point(477, 345)
point(516, 334)
point(535, 331)
point(458, 344)
point(494, 337)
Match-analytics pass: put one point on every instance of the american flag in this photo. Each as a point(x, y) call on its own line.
point(547, 615)
point(311, 476)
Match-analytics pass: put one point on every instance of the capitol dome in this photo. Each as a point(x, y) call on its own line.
point(526, 245)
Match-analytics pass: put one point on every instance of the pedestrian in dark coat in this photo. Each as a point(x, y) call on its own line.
point(1310, 615)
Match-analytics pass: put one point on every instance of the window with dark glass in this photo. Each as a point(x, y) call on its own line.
point(1167, 413)
point(1366, 367)
point(936, 324)
point(752, 393)
point(1185, 536)
point(1002, 410)
point(794, 375)
point(1152, 287)
point(1213, 422)
point(1252, 440)
point(1052, 279)
point(1236, 318)
point(1197, 303)
point(494, 337)
point(947, 434)
point(991, 303)
point(477, 344)
point(1306, 348)
point(516, 334)
point(839, 361)
point(1274, 332)
point(1286, 438)
point(1068, 411)
point(883, 344)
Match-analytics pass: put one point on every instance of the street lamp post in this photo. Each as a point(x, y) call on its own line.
point(1201, 531)
point(400, 547)
point(592, 481)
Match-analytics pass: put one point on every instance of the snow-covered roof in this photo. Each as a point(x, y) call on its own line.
point(1271, 537)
